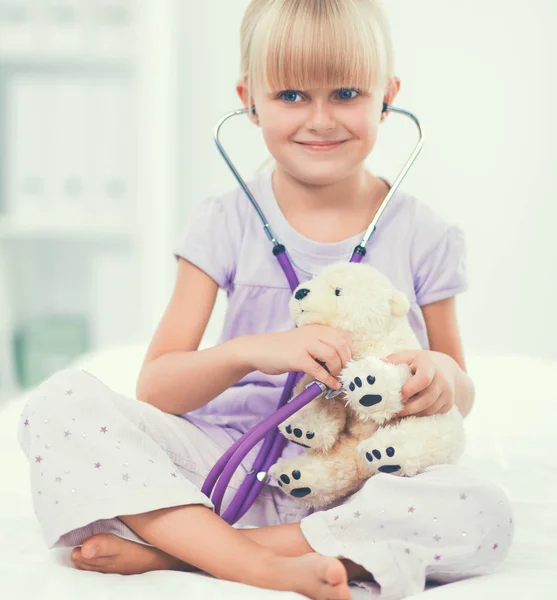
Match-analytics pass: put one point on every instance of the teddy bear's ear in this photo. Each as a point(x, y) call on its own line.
point(399, 304)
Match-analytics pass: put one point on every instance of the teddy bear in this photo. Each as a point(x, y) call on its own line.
point(352, 434)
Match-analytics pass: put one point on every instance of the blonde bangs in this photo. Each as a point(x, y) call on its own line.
point(304, 44)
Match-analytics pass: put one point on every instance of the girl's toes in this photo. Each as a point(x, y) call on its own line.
point(102, 544)
point(90, 567)
point(334, 573)
point(75, 554)
point(91, 556)
point(79, 562)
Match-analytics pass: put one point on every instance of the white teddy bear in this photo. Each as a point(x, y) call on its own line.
point(352, 435)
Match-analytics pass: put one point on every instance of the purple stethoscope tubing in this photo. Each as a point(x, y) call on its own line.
point(217, 480)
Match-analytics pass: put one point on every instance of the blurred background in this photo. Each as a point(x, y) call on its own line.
point(107, 112)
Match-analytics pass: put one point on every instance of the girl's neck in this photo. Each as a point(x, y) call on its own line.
point(329, 214)
point(351, 193)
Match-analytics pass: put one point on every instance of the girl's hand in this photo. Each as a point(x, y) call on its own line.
point(431, 389)
point(299, 350)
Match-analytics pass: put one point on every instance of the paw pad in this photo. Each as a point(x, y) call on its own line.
point(296, 492)
point(367, 399)
point(390, 452)
point(299, 433)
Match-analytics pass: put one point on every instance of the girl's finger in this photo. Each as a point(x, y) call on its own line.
point(420, 402)
point(421, 379)
point(399, 358)
point(341, 344)
point(315, 370)
point(345, 354)
point(345, 336)
point(435, 408)
point(324, 353)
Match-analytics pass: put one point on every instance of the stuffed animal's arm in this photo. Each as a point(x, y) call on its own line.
point(318, 424)
point(319, 479)
point(372, 388)
point(413, 443)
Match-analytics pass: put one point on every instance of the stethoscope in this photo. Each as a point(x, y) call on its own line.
point(216, 483)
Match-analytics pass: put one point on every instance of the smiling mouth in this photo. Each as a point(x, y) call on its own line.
point(322, 147)
point(322, 143)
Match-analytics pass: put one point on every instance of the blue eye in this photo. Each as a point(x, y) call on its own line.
point(287, 92)
point(293, 93)
point(348, 90)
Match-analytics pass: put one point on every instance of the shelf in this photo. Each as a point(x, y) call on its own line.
point(45, 61)
point(18, 228)
point(105, 254)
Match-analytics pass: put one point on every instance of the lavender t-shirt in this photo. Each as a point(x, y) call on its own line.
point(421, 254)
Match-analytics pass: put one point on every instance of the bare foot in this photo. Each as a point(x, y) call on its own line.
point(288, 540)
point(313, 575)
point(118, 555)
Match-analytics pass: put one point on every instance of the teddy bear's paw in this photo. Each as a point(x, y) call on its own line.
point(312, 480)
point(289, 476)
point(292, 485)
point(391, 450)
point(372, 388)
point(366, 400)
point(315, 426)
point(296, 435)
point(374, 455)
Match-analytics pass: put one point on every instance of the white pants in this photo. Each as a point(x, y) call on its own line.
point(95, 454)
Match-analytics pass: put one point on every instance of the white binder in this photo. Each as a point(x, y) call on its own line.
point(62, 27)
point(28, 166)
point(112, 24)
point(18, 28)
point(112, 147)
point(71, 151)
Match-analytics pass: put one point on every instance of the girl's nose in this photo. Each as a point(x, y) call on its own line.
point(300, 294)
point(321, 117)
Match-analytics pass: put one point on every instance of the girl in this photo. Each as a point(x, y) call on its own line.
point(121, 477)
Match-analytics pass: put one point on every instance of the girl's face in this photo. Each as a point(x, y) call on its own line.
point(291, 119)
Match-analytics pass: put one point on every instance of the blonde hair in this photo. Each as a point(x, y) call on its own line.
point(301, 44)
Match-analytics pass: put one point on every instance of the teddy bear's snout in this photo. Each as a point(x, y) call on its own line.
point(301, 294)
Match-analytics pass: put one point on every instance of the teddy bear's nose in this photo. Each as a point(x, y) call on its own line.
point(300, 294)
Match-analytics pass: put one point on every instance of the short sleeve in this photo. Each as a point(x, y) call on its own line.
point(440, 263)
point(208, 241)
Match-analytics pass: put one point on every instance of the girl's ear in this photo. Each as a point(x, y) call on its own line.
point(242, 91)
point(393, 88)
point(391, 91)
point(399, 304)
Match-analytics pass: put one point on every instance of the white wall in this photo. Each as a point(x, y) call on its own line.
point(480, 77)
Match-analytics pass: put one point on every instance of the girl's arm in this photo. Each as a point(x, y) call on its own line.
point(175, 376)
point(444, 340)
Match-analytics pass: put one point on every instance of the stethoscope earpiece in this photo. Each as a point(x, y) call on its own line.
point(253, 110)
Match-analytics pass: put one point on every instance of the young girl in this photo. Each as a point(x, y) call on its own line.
point(121, 477)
